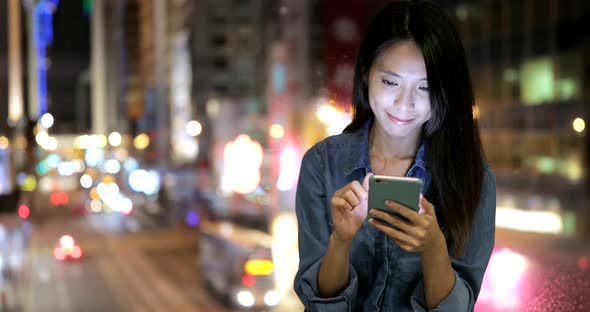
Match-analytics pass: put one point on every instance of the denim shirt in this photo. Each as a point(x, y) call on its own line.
point(382, 276)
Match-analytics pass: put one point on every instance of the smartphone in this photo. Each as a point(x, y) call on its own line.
point(403, 190)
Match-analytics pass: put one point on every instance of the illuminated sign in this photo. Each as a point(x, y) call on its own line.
point(43, 36)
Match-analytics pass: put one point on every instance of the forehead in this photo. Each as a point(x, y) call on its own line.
point(402, 56)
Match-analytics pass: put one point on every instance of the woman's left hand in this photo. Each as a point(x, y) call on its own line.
point(419, 233)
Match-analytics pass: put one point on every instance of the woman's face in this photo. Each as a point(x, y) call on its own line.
point(398, 90)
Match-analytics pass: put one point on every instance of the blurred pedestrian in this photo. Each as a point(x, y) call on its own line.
point(413, 116)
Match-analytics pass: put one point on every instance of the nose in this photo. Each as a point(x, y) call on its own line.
point(404, 98)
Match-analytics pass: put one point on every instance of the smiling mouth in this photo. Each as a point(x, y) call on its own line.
point(399, 121)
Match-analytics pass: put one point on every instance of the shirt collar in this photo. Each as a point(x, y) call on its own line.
point(359, 157)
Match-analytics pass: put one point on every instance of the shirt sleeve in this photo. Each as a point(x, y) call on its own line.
point(469, 269)
point(314, 236)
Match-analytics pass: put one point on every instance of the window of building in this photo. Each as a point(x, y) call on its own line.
point(461, 15)
point(541, 13)
point(569, 76)
point(568, 34)
point(547, 79)
point(219, 40)
point(221, 88)
point(537, 81)
point(516, 12)
point(516, 46)
point(541, 38)
point(495, 17)
point(496, 47)
point(474, 21)
point(474, 53)
point(565, 10)
point(220, 63)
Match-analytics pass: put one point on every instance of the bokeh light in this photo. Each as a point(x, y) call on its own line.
point(86, 181)
point(579, 124)
point(24, 211)
point(141, 141)
point(193, 128)
point(326, 113)
point(4, 142)
point(47, 120)
point(276, 131)
point(115, 139)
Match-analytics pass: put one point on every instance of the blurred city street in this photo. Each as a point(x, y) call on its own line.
point(156, 269)
point(150, 150)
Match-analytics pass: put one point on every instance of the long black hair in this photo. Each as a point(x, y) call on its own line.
point(453, 146)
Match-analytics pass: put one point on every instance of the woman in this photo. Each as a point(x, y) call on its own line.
point(413, 116)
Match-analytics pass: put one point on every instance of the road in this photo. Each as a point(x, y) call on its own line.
point(536, 273)
point(128, 266)
point(154, 269)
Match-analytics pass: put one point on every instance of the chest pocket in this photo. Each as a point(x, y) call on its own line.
point(408, 268)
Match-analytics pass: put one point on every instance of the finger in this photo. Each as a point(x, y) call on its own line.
point(426, 206)
point(395, 221)
point(402, 225)
point(340, 203)
point(405, 246)
point(404, 211)
point(351, 197)
point(366, 181)
point(396, 234)
point(358, 190)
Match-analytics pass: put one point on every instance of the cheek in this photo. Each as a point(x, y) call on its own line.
point(380, 98)
point(426, 109)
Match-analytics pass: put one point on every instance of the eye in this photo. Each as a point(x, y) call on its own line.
point(425, 89)
point(388, 83)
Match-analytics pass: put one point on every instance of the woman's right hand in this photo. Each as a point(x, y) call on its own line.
point(349, 209)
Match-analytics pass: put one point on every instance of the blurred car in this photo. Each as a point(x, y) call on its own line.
point(237, 264)
point(67, 249)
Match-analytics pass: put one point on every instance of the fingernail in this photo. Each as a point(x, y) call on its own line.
point(388, 202)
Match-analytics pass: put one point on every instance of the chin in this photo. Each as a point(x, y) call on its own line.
point(402, 133)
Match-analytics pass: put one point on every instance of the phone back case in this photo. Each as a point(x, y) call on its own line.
point(403, 190)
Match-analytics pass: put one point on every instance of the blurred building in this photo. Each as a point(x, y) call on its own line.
point(147, 74)
point(529, 64)
point(228, 41)
point(4, 66)
point(50, 50)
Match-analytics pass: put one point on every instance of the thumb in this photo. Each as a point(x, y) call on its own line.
point(426, 207)
point(366, 181)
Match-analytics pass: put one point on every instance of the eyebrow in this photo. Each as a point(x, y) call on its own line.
point(392, 73)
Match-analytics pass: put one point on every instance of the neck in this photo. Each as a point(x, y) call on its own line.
point(389, 147)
